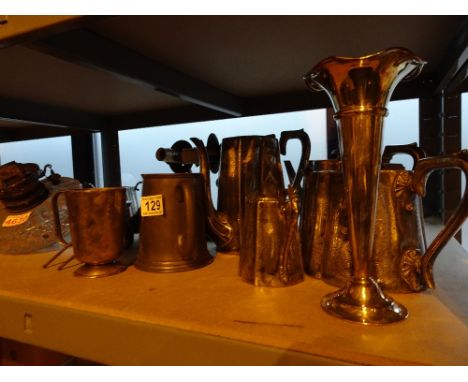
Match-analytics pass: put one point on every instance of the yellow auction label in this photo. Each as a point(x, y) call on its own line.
point(152, 205)
point(14, 220)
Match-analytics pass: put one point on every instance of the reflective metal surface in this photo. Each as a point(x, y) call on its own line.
point(98, 227)
point(399, 241)
point(270, 253)
point(250, 167)
point(360, 89)
point(175, 240)
point(425, 167)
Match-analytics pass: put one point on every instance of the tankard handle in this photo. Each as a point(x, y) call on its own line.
point(57, 225)
point(411, 149)
point(305, 154)
point(423, 169)
point(58, 233)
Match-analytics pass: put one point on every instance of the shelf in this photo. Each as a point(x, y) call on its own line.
point(99, 73)
point(210, 317)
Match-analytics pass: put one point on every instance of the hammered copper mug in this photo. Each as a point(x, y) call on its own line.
point(98, 228)
point(172, 228)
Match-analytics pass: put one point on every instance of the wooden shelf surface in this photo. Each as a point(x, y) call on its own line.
point(210, 316)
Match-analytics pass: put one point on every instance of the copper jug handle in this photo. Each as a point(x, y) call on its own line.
point(218, 223)
point(411, 149)
point(55, 210)
point(58, 233)
point(421, 172)
point(305, 154)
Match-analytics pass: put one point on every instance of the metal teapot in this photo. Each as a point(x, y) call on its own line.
point(401, 261)
point(258, 215)
point(249, 166)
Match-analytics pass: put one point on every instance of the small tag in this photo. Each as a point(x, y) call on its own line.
point(152, 205)
point(14, 220)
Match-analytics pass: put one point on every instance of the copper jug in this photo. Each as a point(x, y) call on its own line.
point(250, 167)
point(401, 261)
point(98, 227)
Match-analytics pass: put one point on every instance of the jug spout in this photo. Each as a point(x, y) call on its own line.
point(220, 229)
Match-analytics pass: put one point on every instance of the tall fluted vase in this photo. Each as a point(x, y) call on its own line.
point(360, 89)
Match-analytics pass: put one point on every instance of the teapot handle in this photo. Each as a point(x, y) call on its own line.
point(423, 168)
point(411, 149)
point(305, 142)
point(220, 228)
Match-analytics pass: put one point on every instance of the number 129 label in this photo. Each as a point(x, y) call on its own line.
point(152, 205)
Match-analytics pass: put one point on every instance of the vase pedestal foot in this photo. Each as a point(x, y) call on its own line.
point(363, 301)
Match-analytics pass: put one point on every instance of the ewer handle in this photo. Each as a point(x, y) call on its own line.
point(421, 172)
point(305, 154)
point(411, 149)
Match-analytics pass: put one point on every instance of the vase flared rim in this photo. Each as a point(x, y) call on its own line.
point(347, 59)
point(375, 54)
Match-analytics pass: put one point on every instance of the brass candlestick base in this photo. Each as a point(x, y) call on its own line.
point(90, 271)
point(363, 301)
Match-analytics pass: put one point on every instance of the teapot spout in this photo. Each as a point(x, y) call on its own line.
point(219, 228)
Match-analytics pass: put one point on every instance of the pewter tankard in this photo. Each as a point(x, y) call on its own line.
point(172, 228)
point(400, 262)
point(250, 167)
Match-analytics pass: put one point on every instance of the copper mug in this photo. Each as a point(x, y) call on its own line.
point(250, 167)
point(172, 228)
point(401, 260)
point(98, 227)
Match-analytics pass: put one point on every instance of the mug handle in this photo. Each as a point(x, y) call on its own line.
point(422, 170)
point(58, 232)
point(57, 225)
point(305, 154)
point(411, 149)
